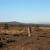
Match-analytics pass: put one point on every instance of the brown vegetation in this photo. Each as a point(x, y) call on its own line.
point(16, 38)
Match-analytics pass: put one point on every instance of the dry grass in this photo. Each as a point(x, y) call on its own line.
point(39, 40)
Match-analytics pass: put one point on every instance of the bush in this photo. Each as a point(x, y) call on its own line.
point(36, 28)
point(5, 33)
point(6, 26)
point(9, 41)
point(2, 45)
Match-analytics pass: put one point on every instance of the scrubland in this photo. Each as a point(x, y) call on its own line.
point(17, 38)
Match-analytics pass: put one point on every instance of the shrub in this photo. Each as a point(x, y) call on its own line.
point(9, 41)
point(36, 28)
point(2, 45)
point(6, 26)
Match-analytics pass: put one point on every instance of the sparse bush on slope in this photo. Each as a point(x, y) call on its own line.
point(37, 28)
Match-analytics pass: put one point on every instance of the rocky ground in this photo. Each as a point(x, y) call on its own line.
point(39, 40)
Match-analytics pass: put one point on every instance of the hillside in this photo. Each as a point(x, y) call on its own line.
point(22, 36)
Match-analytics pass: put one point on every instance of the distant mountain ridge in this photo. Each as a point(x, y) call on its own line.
point(13, 22)
point(20, 23)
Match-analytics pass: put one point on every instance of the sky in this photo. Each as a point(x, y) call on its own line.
point(26, 11)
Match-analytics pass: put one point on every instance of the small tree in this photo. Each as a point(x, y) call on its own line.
point(6, 26)
point(36, 28)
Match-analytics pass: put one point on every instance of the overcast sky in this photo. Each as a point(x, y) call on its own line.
point(28, 11)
